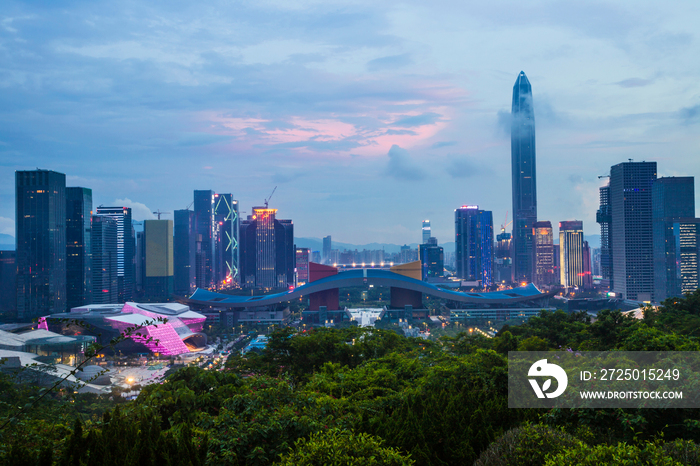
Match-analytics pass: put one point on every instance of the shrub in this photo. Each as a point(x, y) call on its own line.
point(622, 454)
point(335, 447)
point(526, 445)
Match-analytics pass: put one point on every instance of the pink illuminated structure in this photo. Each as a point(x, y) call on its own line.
point(168, 328)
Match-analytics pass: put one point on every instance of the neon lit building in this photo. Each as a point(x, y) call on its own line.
point(168, 328)
point(226, 250)
point(474, 244)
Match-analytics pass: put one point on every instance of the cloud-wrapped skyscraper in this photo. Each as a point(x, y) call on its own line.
point(522, 144)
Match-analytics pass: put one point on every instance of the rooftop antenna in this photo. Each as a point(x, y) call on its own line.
point(268, 197)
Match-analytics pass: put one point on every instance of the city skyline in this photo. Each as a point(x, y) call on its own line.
point(367, 123)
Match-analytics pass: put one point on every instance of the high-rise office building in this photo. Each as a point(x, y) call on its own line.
point(522, 143)
point(587, 269)
point(632, 245)
point(126, 249)
point(140, 261)
point(78, 247)
point(432, 259)
point(604, 218)
point(544, 254)
point(474, 244)
point(302, 265)
point(267, 250)
point(158, 264)
point(184, 252)
point(327, 246)
point(675, 236)
point(105, 250)
point(41, 242)
point(8, 282)
point(571, 253)
point(226, 250)
point(426, 231)
point(204, 220)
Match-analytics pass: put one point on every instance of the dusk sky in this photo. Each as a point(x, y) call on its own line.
point(369, 117)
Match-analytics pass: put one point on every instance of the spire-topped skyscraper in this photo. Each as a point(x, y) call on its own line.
point(522, 146)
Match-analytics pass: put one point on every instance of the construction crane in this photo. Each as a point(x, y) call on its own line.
point(159, 213)
point(505, 223)
point(268, 197)
point(190, 205)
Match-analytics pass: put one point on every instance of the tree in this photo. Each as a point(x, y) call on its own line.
point(335, 447)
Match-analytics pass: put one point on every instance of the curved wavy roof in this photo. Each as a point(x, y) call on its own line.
point(360, 277)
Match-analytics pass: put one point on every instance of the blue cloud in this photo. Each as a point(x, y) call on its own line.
point(401, 167)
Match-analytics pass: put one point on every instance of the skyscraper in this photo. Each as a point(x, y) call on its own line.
point(41, 242)
point(522, 144)
point(474, 244)
point(226, 251)
point(675, 233)
point(632, 245)
point(78, 247)
point(126, 250)
point(571, 253)
point(105, 271)
point(302, 265)
point(426, 231)
point(327, 246)
point(8, 282)
point(267, 250)
point(544, 254)
point(204, 220)
point(604, 218)
point(158, 265)
point(184, 252)
point(432, 258)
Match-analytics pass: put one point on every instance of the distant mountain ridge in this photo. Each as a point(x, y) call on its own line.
point(7, 242)
point(316, 244)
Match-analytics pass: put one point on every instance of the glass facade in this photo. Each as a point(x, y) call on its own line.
point(105, 281)
point(524, 179)
point(544, 254)
point(474, 244)
point(78, 246)
point(571, 254)
point(631, 224)
point(675, 237)
point(41, 242)
point(126, 250)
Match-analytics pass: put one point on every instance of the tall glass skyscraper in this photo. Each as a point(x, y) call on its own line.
point(41, 243)
point(204, 221)
point(105, 272)
point(676, 240)
point(604, 218)
point(78, 246)
point(126, 250)
point(474, 244)
point(522, 146)
point(544, 254)
point(632, 245)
